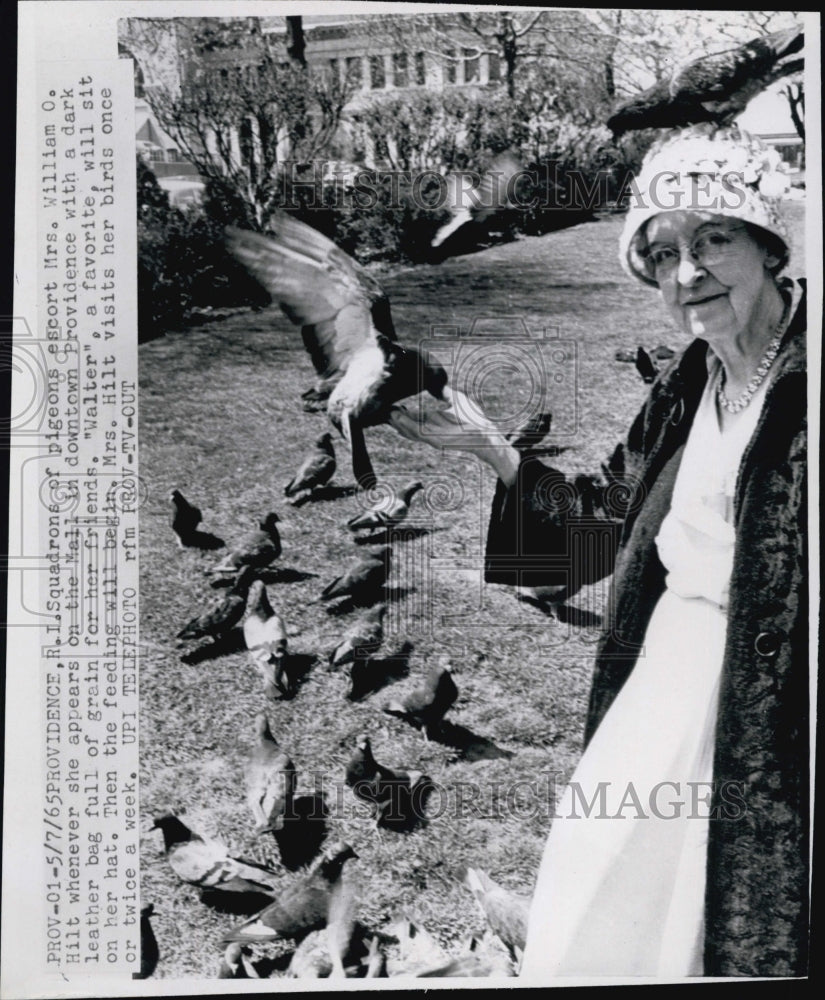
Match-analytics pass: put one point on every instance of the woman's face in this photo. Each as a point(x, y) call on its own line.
point(710, 271)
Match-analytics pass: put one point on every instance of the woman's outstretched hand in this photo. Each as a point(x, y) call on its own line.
point(457, 422)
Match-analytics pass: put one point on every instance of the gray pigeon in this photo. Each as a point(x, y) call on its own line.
point(362, 638)
point(316, 469)
point(426, 706)
point(270, 780)
point(388, 512)
point(258, 549)
point(506, 912)
point(363, 581)
point(225, 613)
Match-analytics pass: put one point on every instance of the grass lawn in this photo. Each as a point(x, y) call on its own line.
point(221, 420)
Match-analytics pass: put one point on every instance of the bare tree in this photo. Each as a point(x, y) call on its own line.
point(240, 108)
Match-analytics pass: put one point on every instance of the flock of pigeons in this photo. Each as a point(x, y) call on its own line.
point(316, 911)
point(362, 371)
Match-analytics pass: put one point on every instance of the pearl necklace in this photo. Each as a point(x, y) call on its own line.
point(738, 404)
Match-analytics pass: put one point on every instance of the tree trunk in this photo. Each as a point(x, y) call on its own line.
point(295, 44)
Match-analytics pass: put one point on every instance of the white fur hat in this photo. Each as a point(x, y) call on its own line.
point(720, 170)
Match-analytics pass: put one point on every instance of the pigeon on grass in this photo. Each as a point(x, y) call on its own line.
point(426, 706)
point(397, 796)
point(270, 780)
point(506, 911)
point(185, 520)
point(362, 638)
point(224, 614)
point(387, 513)
point(258, 549)
point(364, 581)
point(225, 882)
point(264, 633)
point(304, 906)
point(316, 470)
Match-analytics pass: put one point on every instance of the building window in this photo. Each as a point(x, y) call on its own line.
point(378, 77)
point(400, 76)
point(246, 143)
point(449, 65)
point(471, 65)
point(333, 70)
point(355, 71)
point(157, 155)
point(493, 67)
point(420, 69)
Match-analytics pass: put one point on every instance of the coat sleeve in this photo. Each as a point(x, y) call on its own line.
point(550, 529)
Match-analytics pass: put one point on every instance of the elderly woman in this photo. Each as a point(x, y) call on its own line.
point(680, 846)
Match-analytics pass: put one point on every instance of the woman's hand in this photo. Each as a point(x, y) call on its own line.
point(457, 422)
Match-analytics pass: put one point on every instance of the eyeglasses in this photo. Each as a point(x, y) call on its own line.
point(708, 249)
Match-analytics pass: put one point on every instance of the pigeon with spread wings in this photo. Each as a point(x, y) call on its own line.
point(714, 88)
point(346, 325)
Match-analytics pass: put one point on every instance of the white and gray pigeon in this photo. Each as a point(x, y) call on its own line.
point(346, 326)
point(264, 633)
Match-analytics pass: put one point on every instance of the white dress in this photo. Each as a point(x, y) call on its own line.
point(620, 889)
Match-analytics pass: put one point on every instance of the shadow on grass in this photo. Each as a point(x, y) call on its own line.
point(470, 747)
point(304, 830)
point(373, 674)
point(567, 614)
point(204, 540)
point(239, 904)
point(272, 574)
point(226, 644)
point(297, 666)
point(385, 536)
point(407, 808)
point(326, 493)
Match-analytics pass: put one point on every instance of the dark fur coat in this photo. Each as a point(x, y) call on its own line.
point(549, 530)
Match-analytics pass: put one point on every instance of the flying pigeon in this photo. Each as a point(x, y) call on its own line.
point(346, 326)
point(362, 638)
point(363, 581)
point(506, 912)
point(185, 520)
point(237, 963)
point(304, 906)
point(387, 513)
point(149, 952)
point(468, 203)
point(258, 549)
point(270, 780)
point(225, 614)
point(206, 863)
point(714, 88)
point(264, 633)
point(426, 706)
point(532, 432)
point(396, 795)
point(645, 366)
point(316, 469)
